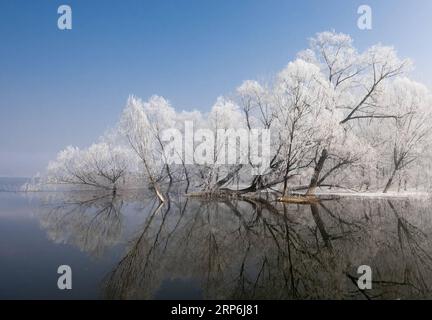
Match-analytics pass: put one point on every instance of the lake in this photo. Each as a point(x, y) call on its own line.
point(128, 247)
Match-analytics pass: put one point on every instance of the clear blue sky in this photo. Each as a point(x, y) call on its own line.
point(60, 88)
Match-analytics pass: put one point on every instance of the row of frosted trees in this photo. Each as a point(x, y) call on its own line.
point(338, 118)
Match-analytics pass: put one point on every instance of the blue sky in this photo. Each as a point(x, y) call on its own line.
point(60, 88)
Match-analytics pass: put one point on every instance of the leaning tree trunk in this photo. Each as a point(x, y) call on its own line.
point(154, 183)
point(315, 177)
point(390, 180)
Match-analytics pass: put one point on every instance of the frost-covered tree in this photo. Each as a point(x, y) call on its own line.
point(224, 120)
point(408, 136)
point(337, 118)
point(356, 77)
point(101, 166)
point(141, 135)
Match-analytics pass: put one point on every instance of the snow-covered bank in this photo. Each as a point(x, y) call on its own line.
point(392, 195)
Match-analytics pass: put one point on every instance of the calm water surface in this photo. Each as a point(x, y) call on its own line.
point(128, 247)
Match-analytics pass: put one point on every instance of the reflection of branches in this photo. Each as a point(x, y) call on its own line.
point(325, 236)
point(91, 222)
point(252, 249)
point(134, 271)
point(412, 250)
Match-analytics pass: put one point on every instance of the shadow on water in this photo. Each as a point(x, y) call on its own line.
point(254, 249)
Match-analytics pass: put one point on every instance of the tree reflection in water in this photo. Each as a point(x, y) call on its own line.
point(255, 249)
point(91, 222)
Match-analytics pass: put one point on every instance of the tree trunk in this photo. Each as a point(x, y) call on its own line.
point(390, 180)
point(315, 177)
point(153, 182)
